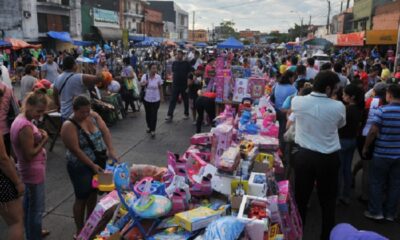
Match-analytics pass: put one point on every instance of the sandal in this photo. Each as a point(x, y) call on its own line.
point(45, 233)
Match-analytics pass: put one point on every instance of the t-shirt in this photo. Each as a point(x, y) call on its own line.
point(27, 83)
point(311, 73)
point(292, 68)
point(181, 70)
point(353, 122)
point(385, 74)
point(282, 68)
point(152, 88)
point(73, 87)
point(387, 144)
point(51, 71)
point(281, 92)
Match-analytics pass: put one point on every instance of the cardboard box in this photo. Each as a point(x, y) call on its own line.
point(196, 219)
point(258, 184)
point(254, 227)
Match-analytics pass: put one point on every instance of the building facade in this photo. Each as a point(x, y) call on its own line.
point(173, 14)
point(30, 20)
point(387, 16)
point(101, 20)
point(153, 23)
point(363, 11)
point(199, 35)
point(133, 15)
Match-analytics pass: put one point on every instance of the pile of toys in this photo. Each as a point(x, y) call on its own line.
point(228, 177)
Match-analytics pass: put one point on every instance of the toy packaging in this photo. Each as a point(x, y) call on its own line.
point(241, 90)
point(256, 87)
point(230, 159)
point(258, 184)
point(197, 218)
point(223, 135)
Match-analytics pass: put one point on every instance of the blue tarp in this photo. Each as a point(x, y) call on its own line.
point(83, 43)
point(200, 44)
point(4, 44)
point(231, 43)
point(62, 36)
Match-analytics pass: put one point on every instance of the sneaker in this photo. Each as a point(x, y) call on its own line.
point(389, 219)
point(168, 119)
point(186, 117)
point(367, 214)
point(153, 134)
point(148, 130)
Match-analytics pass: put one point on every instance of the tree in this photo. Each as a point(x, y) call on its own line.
point(277, 37)
point(227, 29)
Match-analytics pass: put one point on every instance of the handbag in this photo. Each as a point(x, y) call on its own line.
point(101, 156)
point(13, 109)
point(143, 90)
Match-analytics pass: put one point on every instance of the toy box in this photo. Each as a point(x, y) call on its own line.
point(230, 159)
point(256, 87)
point(219, 88)
point(239, 188)
point(255, 227)
point(263, 142)
point(258, 184)
point(201, 139)
point(105, 204)
point(223, 135)
point(263, 162)
point(240, 90)
point(196, 219)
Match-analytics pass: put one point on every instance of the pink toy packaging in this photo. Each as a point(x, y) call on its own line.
point(219, 88)
point(106, 203)
point(223, 135)
point(240, 90)
point(201, 139)
point(256, 87)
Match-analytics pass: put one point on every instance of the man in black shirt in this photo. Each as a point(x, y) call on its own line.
point(180, 73)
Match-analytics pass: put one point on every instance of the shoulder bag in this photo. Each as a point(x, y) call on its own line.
point(143, 90)
point(101, 156)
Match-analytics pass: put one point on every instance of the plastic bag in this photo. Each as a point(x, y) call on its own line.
point(225, 228)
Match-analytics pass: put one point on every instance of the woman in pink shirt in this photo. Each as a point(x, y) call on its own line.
point(28, 144)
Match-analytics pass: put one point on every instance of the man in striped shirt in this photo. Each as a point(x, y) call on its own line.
point(385, 165)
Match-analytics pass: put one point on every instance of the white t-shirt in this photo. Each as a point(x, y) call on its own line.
point(311, 73)
point(152, 88)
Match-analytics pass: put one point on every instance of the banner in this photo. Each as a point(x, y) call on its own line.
point(381, 37)
point(350, 39)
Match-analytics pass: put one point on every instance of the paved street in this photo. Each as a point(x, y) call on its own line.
point(135, 146)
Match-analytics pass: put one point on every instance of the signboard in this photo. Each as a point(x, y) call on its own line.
point(125, 38)
point(381, 37)
point(107, 16)
point(332, 38)
point(350, 39)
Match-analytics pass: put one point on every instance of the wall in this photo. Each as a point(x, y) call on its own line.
point(200, 35)
point(11, 18)
point(30, 28)
point(387, 16)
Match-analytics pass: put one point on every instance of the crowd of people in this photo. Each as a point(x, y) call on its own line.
point(325, 113)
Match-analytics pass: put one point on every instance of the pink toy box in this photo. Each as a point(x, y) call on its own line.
point(240, 90)
point(202, 139)
point(106, 203)
point(256, 87)
point(223, 135)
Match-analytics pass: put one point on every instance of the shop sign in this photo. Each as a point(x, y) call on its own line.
point(107, 16)
point(350, 39)
point(381, 37)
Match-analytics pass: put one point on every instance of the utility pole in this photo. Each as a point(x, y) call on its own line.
point(341, 6)
point(329, 16)
point(309, 21)
point(194, 16)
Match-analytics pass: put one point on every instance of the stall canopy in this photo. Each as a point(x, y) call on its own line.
point(147, 42)
point(318, 42)
point(83, 43)
point(62, 36)
point(110, 34)
point(19, 44)
point(231, 43)
point(4, 44)
point(201, 44)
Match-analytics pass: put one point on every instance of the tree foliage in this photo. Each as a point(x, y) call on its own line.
point(227, 29)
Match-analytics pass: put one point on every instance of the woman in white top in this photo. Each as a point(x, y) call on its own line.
point(152, 83)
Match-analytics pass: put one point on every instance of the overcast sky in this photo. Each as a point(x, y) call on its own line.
point(263, 15)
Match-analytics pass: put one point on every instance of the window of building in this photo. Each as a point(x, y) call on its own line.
point(42, 22)
point(137, 8)
point(129, 5)
point(50, 22)
point(182, 20)
point(129, 25)
point(65, 2)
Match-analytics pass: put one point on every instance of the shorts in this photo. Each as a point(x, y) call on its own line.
point(8, 192)
point(81, 177)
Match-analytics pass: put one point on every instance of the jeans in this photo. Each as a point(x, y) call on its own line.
point(384, 172)
point(33, 210)
point(151, 109)
point(346, 155)
point(204, 104)
point(176, 91)
point(313, 167)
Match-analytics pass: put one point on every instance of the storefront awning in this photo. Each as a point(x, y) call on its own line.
point(19, 44)
point(83, 43)
point(110, 34)
point(62, 36)
point(351, 39)
point(381, 37)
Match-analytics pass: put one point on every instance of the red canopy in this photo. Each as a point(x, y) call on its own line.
point(19, 44)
